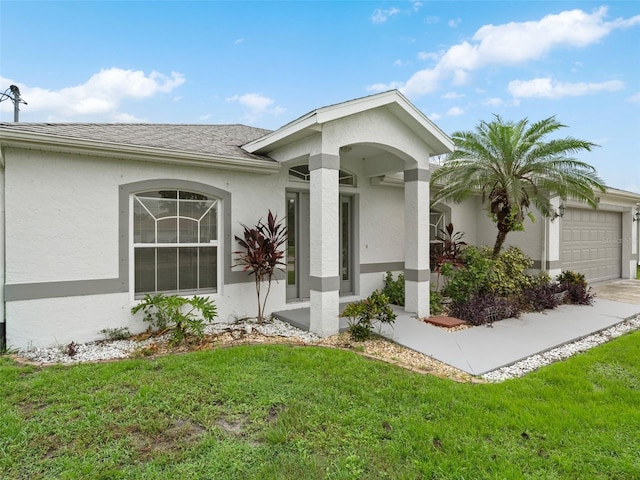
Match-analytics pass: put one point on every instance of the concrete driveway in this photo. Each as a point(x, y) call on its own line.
point(625, 291)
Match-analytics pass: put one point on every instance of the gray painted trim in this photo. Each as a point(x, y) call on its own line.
point(324, 284)
point(73, 288)
point(324, 160)
point(417, 175)
point(381, 267)
point(417, 275)
point(550, 265)
point(634, 256)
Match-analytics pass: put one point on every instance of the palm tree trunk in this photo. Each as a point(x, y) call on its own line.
point(498, 245)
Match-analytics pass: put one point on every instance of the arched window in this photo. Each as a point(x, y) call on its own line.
point(300, 173)
point(175, 241)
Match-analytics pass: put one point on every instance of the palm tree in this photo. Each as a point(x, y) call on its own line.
point(512, 166)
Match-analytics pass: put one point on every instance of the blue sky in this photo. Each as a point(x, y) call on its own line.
point(266, 63)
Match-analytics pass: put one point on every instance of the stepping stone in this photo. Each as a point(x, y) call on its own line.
point(447, 322)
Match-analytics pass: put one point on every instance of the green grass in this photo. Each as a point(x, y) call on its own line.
point(280, 412)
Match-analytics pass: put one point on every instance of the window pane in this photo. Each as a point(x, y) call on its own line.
point(194, 205)
point(208, 267)
point(145, 270)
point(144, 226)
point(160, 207)
point(167, 231)
point(167, 269)
point(188, 231)
point(291, 239)
point(188, 268)
point(209, 226)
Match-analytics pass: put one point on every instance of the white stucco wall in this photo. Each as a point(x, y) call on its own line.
point(62, 225)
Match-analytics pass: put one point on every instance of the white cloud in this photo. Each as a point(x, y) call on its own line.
point(256, 105)
point(417, 6)
point(238, 41)
point(549, 88)
point(452, 95)
point(634, 98)
point(383, 87)
point(513, 43)
point(428, 56)
point(100, 97)
point(381, 16)
point(454, 22)
point(455, 112)
point(493, 102)
point(127, 118)
point(435, 116)
point(400, 63)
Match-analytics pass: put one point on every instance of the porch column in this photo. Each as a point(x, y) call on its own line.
point(416, 221)
point(324, 280)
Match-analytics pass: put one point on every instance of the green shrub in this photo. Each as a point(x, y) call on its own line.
point(572, 278)
point(435, 303)
point(394, 289)
point(508, 277)
point(168, 312)
point(473, 278)
point(361, 315)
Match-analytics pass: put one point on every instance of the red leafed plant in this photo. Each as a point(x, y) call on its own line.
point(262, 254)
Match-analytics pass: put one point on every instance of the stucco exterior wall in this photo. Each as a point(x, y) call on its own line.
point(62, 218)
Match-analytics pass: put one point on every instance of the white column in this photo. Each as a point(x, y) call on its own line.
point(554, 240)
point(324, 280)
point(416, 262)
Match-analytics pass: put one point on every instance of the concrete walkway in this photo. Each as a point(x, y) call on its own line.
point(482, 349)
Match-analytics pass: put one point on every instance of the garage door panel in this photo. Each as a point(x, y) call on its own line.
point(591, 243)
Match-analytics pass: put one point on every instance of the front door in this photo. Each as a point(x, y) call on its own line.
point(298, 250)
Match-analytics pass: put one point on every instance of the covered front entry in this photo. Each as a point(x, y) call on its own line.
point(298, 246)
point(384, 134)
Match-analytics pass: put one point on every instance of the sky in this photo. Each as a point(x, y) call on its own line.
point(266, 63)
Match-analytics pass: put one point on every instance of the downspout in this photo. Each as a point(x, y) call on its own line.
point(545, 243)
point(3, 324)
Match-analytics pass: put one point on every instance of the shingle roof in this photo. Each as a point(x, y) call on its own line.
point(220, 140)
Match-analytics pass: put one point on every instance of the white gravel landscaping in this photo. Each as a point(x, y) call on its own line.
point(534, 362)
point(115, 349)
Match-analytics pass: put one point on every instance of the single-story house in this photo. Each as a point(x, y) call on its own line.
point(94, 216)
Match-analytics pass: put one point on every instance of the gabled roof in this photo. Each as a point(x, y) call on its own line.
point(393, 100)
point(216, 140)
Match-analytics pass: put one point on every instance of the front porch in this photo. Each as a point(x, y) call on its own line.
point(301, 318)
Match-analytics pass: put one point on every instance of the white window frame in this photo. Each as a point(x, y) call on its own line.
point(218, 244)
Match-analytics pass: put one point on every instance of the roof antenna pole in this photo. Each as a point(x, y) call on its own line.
point(15, 99)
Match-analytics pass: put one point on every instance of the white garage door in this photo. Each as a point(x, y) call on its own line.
point(591, 243)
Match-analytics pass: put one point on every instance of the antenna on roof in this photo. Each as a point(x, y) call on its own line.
point(15, 91)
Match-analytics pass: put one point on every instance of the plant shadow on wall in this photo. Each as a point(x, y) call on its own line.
point(262, 255)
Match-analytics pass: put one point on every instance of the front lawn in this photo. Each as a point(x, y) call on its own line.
point(269, 412)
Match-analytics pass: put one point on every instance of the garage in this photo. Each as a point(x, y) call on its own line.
point(591, 243)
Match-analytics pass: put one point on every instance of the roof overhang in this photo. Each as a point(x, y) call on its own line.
point(393, 100)
point(78, 146)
